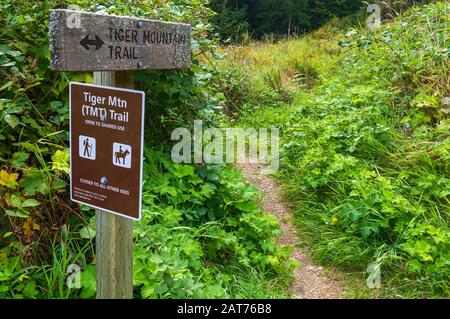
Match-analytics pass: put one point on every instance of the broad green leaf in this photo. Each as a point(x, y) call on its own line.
point(58, 184)
point(13, 53)
point(161, 288)
point(19, 213)
point(16, 201)
point(157, 259)
point(35, 182)
point(31, 202)
point(87, 232)
point(60, 161)
point(148, 291)
point(12, 120)
point(30, 290)
point(19, 158)
point(88, 281)
point(6, 85)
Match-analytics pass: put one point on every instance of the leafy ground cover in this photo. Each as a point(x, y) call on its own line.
point(365, 156)
point(202, 234)
point(365, 160)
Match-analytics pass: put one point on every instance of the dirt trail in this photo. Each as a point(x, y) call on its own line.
point(310, 280)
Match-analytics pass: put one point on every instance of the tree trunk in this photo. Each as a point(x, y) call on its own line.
point(290, 20)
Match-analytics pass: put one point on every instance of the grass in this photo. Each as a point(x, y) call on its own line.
point(69, 251)
point(365, 155)
point(251, 283)
point(291, 58)
point(275, 72)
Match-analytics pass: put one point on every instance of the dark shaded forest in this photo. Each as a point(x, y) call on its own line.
point(237, 19)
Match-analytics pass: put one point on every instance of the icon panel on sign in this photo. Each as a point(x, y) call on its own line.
point(121, 155)
point(87, 147)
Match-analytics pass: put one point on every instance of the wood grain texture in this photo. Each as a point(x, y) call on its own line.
point(114, 240)
point(84, 41)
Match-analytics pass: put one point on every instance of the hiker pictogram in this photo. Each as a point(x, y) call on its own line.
point(122, 155)
point(87, 147)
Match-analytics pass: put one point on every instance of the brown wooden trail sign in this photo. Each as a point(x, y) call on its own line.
point(83, 41)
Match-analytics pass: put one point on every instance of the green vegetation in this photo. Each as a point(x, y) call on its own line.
point(365, 155)
point(364, 160)
point(202, 234)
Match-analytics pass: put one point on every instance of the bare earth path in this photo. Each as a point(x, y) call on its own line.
point(310, 280)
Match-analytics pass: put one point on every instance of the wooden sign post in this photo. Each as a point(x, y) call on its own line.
point(114, 46)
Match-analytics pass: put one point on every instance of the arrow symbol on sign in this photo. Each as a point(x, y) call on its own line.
point(97, 42)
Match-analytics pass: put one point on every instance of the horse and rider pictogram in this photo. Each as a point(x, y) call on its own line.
point(122, 155)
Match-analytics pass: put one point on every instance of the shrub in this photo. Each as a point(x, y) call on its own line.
point(366, 156)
